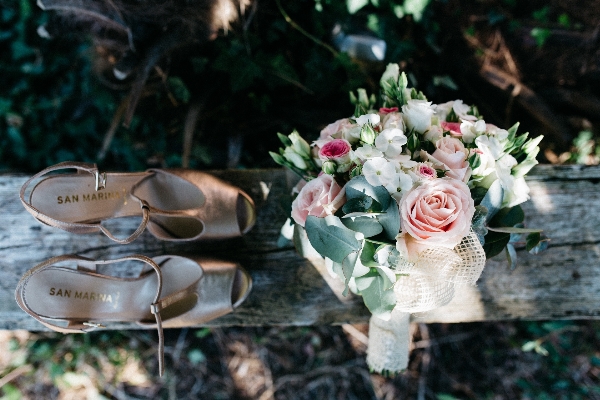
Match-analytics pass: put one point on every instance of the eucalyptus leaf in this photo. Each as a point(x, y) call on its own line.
point(378, 300)
point(508, 229)
point(368, 226)
point(532, 240)
point(331, 238)
point(508, 217)
point(496, 245)
point(357, 204)
point(511, 256)
point(541, 245)
point(389, 277)
point(348, 268)
point(390, 220)
point(358, 187)
point(367, 256)
point(493, 199)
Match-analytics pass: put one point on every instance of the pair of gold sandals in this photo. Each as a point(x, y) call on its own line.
point(69, 294)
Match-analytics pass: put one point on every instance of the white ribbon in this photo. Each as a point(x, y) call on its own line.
point(429, 283)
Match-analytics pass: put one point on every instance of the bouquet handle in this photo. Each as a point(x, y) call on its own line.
point(389, 343)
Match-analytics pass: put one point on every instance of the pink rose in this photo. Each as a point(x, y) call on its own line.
point(452, 127)
point(437, 212)
point(320, 197)
point(332, 129)
point(336, 150)
point(452, 153)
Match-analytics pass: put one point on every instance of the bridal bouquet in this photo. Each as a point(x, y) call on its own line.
point(406, 200)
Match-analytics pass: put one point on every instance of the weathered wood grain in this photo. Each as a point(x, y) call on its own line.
point(563, 282)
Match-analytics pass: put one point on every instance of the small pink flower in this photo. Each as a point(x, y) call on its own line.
point(387, 110)
point(336, 150)
point(425, 171)
point(452, 127)
point(320, 197)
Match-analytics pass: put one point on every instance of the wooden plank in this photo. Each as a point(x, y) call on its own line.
point(563, 282)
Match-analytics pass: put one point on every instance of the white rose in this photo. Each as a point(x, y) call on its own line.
point(351, 134)
point(434, 134)
point(393, 120)
point(499, 133)
point(519, 194)
point(487, 162)
point(442, 110)
point(417, 115)
point(472, 130)
point(461, 110)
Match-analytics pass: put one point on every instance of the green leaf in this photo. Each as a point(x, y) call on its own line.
point(196, 356)
point(493, 199)
point(508, 229)
point(508, 217)
point(284, 139)
point(444, 396)
point(390, 220)
point(539, 246)
point(277, 158)
point(348, 268)
point(179, 89)
point(357, 204)
point(377, 299)
point(495, 243)
point(355, 5)
point(368, 226)
point(528, 346)
point(358, 187)
point(389, 278)
point(511, 256)
point(367, 256)
point(532, 240)
point(512, 132)
point(331, 238)
point(540, 35)
point(477, 194)
point(478, 223)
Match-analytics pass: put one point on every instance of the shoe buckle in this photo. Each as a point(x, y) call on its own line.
point(100, 180)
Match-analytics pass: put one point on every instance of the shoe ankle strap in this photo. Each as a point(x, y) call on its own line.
point(86, 326)
point(79, 227)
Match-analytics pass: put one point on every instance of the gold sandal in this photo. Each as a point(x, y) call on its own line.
point(67, 294)
point(175, 204)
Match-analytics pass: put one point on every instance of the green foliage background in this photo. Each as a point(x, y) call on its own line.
point(264, 76)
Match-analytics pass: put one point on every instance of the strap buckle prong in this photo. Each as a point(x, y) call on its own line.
point(93, 324)
point(100, 180)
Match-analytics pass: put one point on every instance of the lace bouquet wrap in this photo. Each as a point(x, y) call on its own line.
point(406, 201)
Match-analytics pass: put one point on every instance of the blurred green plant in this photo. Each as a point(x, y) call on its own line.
point(555, 342)
point(277, 71)
point(586, 149)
